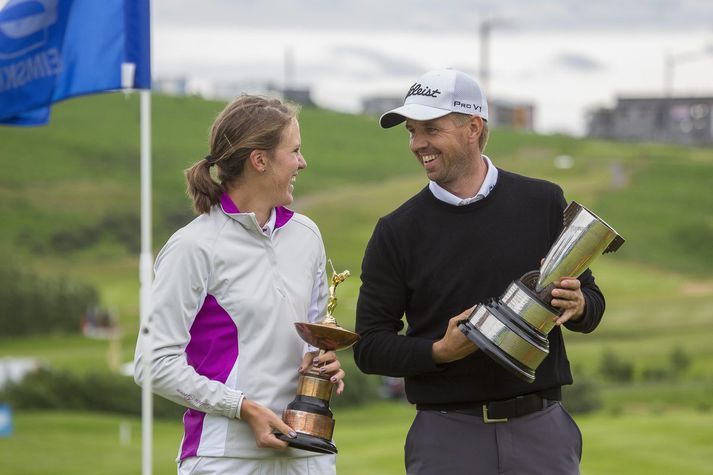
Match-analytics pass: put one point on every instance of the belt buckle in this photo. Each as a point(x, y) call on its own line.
point(488, 420)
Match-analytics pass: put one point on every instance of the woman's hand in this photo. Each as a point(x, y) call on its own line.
point(326, 364)
point(263, 423)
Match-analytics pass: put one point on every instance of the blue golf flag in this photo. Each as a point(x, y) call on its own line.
point(52, 50)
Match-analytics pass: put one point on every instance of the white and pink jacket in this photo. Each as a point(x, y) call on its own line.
point(224, 300)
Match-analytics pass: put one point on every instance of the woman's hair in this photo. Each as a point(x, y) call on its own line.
point(246, 124)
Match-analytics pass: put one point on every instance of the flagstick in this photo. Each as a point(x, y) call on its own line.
point(145, 278)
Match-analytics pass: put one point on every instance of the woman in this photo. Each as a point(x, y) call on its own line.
point(228, 288)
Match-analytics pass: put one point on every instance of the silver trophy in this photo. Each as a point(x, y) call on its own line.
point(513, 329)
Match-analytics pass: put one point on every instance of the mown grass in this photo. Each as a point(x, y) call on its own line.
point(369, 439)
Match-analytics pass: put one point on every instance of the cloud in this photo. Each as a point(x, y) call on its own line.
point(577, 62)
point(374, 60)
point(426, 15)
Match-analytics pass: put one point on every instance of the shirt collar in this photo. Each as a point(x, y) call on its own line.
point(491, 178)
point(270, 225)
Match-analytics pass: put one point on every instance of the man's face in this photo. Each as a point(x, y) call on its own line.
point(442, 148)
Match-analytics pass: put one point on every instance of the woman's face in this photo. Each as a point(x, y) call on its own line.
point(284, 164)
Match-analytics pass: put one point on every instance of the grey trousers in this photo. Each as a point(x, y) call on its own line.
point(547, 442)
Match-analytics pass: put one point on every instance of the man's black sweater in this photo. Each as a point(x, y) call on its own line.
point(429, 260)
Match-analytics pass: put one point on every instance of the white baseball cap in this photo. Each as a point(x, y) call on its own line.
point(438, 93)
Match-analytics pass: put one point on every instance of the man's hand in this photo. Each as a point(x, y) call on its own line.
point(263, 422)
point(454, 345)
point(327, 364)
point(568, 296)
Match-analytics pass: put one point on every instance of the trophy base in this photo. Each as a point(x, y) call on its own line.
point(308, 442)
point(310, 417)
point(506, 338)
point(496, 353)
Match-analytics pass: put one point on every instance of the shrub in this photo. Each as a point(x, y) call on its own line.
point(48, 389)
point(30, 304)
point(613, 368)
point(122, 228)
point(583, 396)
point(680, 360)
point(678, 363)
point(105, 392)
point(656, 374)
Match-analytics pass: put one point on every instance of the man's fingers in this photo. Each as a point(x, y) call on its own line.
point(465, 314)
point(563, 303)
point(563, 318)
point(569, 283)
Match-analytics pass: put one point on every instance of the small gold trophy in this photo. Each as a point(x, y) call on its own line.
point(309, 414)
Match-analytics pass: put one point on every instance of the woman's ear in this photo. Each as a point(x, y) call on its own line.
point(258, 160)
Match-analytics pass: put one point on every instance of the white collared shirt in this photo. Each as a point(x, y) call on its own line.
point(270, 225)
point(491, 178)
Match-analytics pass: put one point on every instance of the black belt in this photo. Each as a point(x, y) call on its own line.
point(501, 411)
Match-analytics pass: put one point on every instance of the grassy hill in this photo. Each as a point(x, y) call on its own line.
point(72, 187)
point(69, 204)
point(69, 194)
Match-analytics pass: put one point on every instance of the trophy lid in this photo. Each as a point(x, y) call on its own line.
point(326, 336)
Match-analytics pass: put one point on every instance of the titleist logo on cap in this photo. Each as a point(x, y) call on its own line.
point(436, 94)
point(418, 90)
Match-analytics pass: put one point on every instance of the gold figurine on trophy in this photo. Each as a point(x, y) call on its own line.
point(309, 414)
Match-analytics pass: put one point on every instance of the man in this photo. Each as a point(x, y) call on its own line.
point(458, 242)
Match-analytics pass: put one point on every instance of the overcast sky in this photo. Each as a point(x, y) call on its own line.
point(453, 15)
point(564, 56)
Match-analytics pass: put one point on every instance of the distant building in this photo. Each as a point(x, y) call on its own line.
point(228, 90)
point(516, 115)
point(679, 120)
point(170, 86)
point(510, 114)
point(301, 96)
point(375, 106)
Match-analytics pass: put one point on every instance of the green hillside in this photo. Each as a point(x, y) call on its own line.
point(69, 191)
point(69, 206)
point(72, 187)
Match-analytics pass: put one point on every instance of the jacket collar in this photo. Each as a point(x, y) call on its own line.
point(282, 214)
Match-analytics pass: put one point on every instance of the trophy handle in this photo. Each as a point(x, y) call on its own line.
point(570, 212)
point(584, 236)
point(615, 245)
